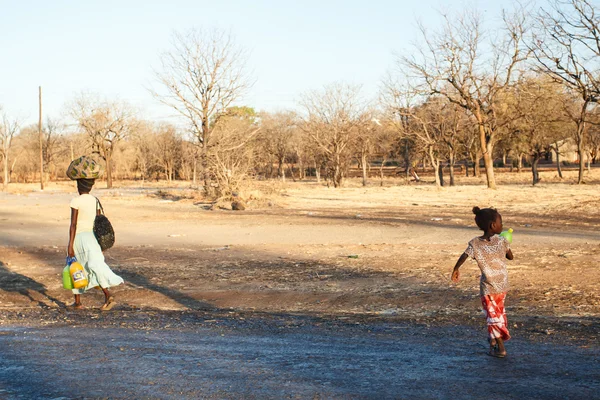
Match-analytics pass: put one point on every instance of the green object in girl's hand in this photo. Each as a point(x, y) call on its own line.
point(66, 277)
point(507, 235)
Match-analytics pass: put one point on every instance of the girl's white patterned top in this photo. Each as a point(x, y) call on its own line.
point(491, 259)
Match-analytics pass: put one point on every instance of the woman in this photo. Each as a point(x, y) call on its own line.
point(84, 246)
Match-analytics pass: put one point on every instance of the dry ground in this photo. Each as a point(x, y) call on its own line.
point(289, 252)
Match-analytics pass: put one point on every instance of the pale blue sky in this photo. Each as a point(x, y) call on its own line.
point(110, 47)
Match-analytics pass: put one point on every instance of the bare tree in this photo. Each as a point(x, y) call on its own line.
point(334, 117)
point(421, 119)
point(278, 131)
point(8, 129)
point(233, 150)
point(566, 45)
point(540, 103)
point(365, 144)
point(454, 63)
point(202, 76)
point(383, 143)
point(454, 126)
point(594, 138)
point(54, 148)
point(142, 140)
point(168, 147)
point(106, 124)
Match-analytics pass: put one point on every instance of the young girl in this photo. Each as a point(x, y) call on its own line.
point(490, 250)
point(84, 246)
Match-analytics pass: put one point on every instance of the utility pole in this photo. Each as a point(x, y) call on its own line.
point(41, 145)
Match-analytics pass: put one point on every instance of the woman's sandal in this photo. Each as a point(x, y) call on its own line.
point(109, 304)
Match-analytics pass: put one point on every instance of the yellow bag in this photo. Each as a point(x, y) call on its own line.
point(78, 276)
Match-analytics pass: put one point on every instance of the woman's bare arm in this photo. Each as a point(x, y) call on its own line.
point(72, 232)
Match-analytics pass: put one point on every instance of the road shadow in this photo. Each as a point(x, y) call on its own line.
point(179, 297)
point(11, 281)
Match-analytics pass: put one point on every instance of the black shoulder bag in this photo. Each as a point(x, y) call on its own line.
point(103, 230)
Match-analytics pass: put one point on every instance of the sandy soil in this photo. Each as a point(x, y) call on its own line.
point(290, 250)
point(311, 292)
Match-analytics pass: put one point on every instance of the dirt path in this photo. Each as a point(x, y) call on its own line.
point(284, 264)
point(192, 355)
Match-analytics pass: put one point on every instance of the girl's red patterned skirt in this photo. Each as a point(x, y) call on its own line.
point(493, 305)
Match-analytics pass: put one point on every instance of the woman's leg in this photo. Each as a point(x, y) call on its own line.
point(109, 300)
point(106, 295)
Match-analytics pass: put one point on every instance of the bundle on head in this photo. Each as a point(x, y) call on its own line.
point(85, 185)
point(484, 217)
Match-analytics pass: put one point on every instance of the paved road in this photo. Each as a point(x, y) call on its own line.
point(283, 357)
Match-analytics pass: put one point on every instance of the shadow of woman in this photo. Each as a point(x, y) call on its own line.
point(175, 295)
point(11, 281)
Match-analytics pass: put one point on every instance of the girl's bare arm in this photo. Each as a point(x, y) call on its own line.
point(461, 261)
point(509, 254)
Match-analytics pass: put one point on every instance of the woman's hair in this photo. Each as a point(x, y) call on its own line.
point(85, 185)
point(484, 217)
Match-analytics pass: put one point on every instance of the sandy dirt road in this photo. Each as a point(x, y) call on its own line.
point(234, 356)
point(283, 265)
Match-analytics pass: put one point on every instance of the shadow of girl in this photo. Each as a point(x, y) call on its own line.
point(11, 281)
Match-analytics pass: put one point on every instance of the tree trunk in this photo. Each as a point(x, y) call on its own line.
point(337, 170)
point(451, 165)
point(5, 183)
point(381, 171)
point(108, 170)
point(589, 163)
point(363, 161)
point(291, 169)
point(435, 163)
point(558, 168)
point(318, 172)
point(407, 163)
point(208, 190)
point(579, 139)
point(195, 171)
point(302, 171)
point(487, 144)
point(581, 163)
point(280, 171)
point(520, 163)
point(476, 166)
point(534, 167)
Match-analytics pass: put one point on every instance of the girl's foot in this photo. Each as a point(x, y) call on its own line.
point(110, 303)
point(76, 306)
point(497, 353)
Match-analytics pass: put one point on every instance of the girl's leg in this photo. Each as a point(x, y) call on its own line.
point(501, 351)
point(493, 306)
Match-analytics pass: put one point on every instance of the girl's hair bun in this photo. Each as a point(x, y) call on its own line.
point(476, 210)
